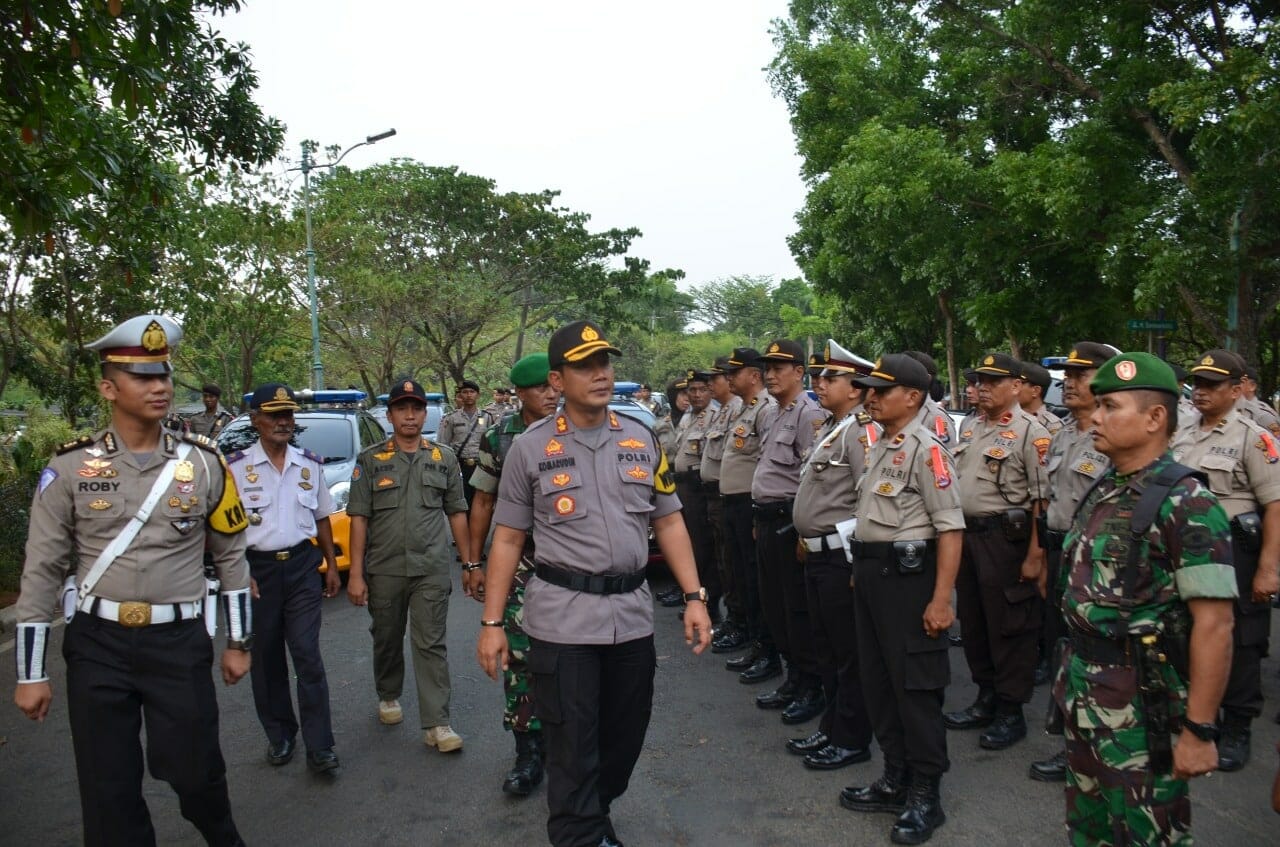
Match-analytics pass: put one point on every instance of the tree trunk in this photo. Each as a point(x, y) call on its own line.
point(949, 339)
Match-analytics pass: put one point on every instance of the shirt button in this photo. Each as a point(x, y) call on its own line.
point(884, 572)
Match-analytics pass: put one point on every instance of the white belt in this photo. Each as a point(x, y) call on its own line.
point(134, 613)
point(814, 545)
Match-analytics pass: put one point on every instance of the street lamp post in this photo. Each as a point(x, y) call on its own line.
point(307, 166)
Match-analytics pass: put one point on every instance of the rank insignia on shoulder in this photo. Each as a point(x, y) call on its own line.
point(562, 424)
point(613, 421)
point(436, 455)
point(1006, 417)
point(863, 419)
point(315, 457)
point(235, 457)
point(83, 441)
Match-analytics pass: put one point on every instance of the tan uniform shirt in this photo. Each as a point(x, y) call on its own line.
point(588, 496)
point(461, 432)
point(784, 448)
point(406, 498)
point(938, 422)
point(1047, 419)
point(909, 491)
point(209, 425)
point(713, 452)
point(691, 440)
point(1074, 466)
point(828, 491)
point(1001, 463)
point(1241, 459)
point(743, 434)
point(1260, 413)
point(92, 488)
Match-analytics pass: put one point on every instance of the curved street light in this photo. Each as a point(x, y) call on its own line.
point(307, 166)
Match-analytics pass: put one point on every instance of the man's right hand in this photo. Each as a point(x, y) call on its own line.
point(357, 590)
point(491, 650)
point(33, 698)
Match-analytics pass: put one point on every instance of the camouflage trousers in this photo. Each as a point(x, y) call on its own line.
point(517, 715)
point(1113, 798)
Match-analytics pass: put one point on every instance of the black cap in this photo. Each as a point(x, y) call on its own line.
point(466, 383)
point(1180, 372)
point(817, 363)
point(1218, 366)
point(501, 389)
point(742, 357)
point(1036, 375)
point(1251, 371)
point(721, 366)
point(783, 350)
point(211, 389)
point(1089, 354)
point(407, 390)
point(273, 397)
point(695, 375)
point(925, 359)
point(999, 364)
point(896, 369)
point(575, 342)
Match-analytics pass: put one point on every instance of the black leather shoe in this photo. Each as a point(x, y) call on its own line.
point(808, 744)
point(608, 841)
point(1233, 747)
point(1006, 731)
point(980, 714)
point(886, 794)
point(1052, 769)
point(923, 813)
point(766, 667)
point(281, 752)
point(526, 773)
point(746, 660)
point(1042, 673)
point(832, 758)
point(732, 640)
point(322, 761)
point(778, 698)
point(805, 707)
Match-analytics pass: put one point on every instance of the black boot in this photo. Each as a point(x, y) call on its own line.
point(1008, 729)
point(746, 660)
point(886, 794)
point(980, 714)
point(923, 813)
point(1233, 746)
point(526, 773)
point(1052, 769)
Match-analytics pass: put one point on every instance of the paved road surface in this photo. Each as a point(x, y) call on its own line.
point(714, 771)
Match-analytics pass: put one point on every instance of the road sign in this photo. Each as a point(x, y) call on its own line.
point(1142, 325)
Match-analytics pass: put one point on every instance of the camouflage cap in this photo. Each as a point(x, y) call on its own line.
point(1134, 371)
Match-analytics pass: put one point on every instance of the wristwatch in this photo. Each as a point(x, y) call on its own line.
point(244, 645)
point(700, 594)
point(1203, 731)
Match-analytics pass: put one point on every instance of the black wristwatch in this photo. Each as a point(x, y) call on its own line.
point(244, 645)
point(1203, 731)
point(700, 594)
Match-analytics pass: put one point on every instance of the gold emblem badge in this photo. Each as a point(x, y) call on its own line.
point(613, 421)
point(382, 457)
point(99, 504)
point(884, 488)
point(153, 338)
point(97, 464)
point(1087, 467)
point(632, 444)
point(560, 480)
point(436, 455)
point(1008, 433)
point(637, 472)
point(1127, 370)
point(385, 482)
point(562, 425)
point(175, 502)
point(306, 473)
point(589, 334)
point(108, 473)
point(739, 443)
point(282, 393)
point(1207, 360)
point(554, 448)
point(251, 477)
point(774, 348)
point(1072, 354)
point(408, 385)
point(996, 452)
point(305, 486)
point(133, 614)
point(255, 518)
point(565, 505)
point(184, 472)
point(990, 360)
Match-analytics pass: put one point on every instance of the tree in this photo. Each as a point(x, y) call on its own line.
point(741, 305)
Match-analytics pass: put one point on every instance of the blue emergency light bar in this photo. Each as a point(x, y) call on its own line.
point(626, 389)
point(349, 396)
point(432, 397)
point(1053, 361)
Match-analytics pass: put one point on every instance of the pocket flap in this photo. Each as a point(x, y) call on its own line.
point(1020, 593)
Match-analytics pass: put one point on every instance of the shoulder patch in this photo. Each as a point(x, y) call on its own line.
point(83, 441)
point(315, 457)
point(863, 419)
point(235, 457)
point(664, 481)
point(227, 517)
point(200, 441)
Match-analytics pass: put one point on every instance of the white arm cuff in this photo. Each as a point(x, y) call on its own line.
point(30, 648)
point(238, 608)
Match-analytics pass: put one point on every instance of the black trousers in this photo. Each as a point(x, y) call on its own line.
point(738, 524)
point(467, 471)
point(904, 672)
point(594, 701)
point(1242, 701)
point(1000, 616)
point(783, 598)
point(119, 677)
point(835, 641)
point(698, 524)
point(287, 612)
point(735, 612)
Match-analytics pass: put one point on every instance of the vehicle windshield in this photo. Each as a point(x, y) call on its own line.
point(326, 436)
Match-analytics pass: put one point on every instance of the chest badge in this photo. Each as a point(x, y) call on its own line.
point(99, 504)
point(1008, 433)
point(560, 480)
point(996, 453)
point(382, 457)
point(637, 472)
point(306, 473)
point(554, 448)
point(900, 457)
point(884, 488)
point(175, 502)
point(255, 518)
point(565, 505)
point(184, 472)
point(108, 473)
point(386, 482)
point(739, 443)
point(305, 486)
point(1087, 467)
point(184, 525)
point(632, 444)
point(740, 430)
point(87, 472)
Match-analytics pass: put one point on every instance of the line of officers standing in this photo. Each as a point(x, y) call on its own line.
point(836, 530)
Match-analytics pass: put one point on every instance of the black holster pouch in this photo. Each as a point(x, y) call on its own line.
point(1155, 701)
point(1053, 716)
point(1017, 528)
point(1042, 530)
point(913, 557)
point(1246, 530)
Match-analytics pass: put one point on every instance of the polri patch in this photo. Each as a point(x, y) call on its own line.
point(47, 476)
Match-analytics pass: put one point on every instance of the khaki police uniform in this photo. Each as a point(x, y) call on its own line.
point(743, 434)
point(691, 444)
point(1047, 419)
point(406, 497)
point(461, 433)
point(709, 469)
point(1242, 462)
point(1260, 413)
point(908, 495)
point(588, 496)
point(1001, 467)
point(940, 423)
point(209, 424)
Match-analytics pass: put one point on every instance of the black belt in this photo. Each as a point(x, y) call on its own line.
point(599, 583)
point(772, 511)
point(694, 475)
point(1053, 540)
point(736, 498)
point(711, 487)
point(1097, 650)
point(872, 549)
point(982, 524)
point(279, 555)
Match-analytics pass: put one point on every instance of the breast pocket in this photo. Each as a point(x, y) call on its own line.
point(786, 454)
point(309, 501)
point(385, 494)
point(434, 487)
point(561, 498)
point(256, 501)
point(176, 504)
point(992, 465)
point(1221, 471)
point(99, 506)
point(884, 504)
point(637, 488)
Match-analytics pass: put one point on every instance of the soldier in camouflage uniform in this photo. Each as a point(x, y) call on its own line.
point(1132, 612)
point(537, 400)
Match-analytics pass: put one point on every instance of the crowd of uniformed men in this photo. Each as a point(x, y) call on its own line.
point(817, 531)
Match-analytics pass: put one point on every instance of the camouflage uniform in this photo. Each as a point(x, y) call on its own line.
point(517, 714)
point(1113, 797)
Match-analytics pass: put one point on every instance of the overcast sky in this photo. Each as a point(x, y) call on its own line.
point(656, 115)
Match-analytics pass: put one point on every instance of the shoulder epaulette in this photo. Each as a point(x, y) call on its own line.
point(200, 441)
point(863, 418)
point(82, 441)
point(315, 457)
point(236, 456)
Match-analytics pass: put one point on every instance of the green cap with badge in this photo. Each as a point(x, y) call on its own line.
point(1135, 371)
point(530, 371)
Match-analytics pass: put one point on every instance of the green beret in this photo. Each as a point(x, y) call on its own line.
point(1133, 371)
point(530, 371)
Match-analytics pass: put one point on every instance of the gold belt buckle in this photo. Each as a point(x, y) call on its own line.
point(134, 613)
point(282, 555)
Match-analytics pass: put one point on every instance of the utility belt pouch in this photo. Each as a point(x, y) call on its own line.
point(1153, 691)
point(1246, 529)
point(912, 556)
point(1016, 526)
point(69, 598)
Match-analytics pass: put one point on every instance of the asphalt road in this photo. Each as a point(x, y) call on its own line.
point(714, 771)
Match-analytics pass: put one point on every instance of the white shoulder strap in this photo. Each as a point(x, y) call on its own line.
point(122, 541)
